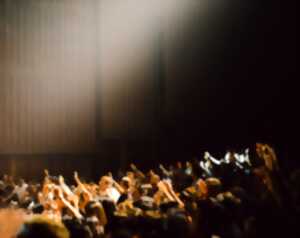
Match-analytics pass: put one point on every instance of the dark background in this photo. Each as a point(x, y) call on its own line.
point(235, 88)
point(247, 91)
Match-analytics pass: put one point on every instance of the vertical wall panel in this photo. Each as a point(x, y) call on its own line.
point(128, 45)
point(47, 77)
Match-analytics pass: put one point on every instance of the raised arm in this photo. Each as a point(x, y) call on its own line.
point(67, 204)
point(170, 189)
point(162, 187)
point(165, 171)
point(81, 185)
point(137, 171)
point(117, 186)
point(64, 186)
point(212, 159)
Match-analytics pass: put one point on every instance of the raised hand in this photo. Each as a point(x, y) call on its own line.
point(76, 175)
point(133, 167)
point(61, 179)
point(46, 172)
point(151, 172)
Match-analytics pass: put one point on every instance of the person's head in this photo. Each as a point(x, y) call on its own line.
point(105, 182)
point(77, 230)
point(125, 183)
point(83, 197)
point(5, 178)
point(32, 190)
point(41, 226)
point(21, 182)
point(154, 178)
point(38, 209)
point(214, 186)
point(93, 188)
point(130, 175)
point(8, 190)
point(179, 165)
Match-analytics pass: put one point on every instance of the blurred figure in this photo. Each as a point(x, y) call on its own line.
point(41, 226)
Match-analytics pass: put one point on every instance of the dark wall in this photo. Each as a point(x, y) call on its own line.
point(238, 87)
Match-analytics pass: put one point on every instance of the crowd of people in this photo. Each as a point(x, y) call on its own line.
point(241, 195)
